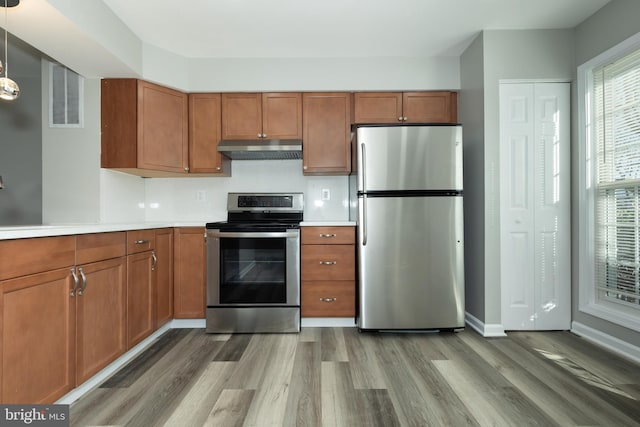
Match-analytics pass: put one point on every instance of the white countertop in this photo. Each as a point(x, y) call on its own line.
point(28, 231)
point(327, 223)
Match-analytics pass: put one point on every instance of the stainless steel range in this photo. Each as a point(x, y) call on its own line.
point(253, 264)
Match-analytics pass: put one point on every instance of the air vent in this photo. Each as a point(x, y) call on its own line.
point(65, 97)
point(273, 149)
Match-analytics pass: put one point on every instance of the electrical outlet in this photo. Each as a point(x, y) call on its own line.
point(326, 194)
point(201, 196)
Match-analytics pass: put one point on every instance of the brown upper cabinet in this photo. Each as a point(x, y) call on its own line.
point(326, 148)
point(262, 115)
point(204, 135)
point(144, 128)
point(405, 107)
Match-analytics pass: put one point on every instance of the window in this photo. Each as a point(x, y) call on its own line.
point(610, 207)
point(65, 97)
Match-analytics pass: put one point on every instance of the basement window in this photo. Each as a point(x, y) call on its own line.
point(65, 97)
point(610, 175)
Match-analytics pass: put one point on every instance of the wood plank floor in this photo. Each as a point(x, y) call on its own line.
point(341, 377)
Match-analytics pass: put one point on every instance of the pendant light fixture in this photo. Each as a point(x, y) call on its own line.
point(9, 89)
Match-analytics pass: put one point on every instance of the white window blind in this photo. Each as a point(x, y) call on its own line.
point(616, 102)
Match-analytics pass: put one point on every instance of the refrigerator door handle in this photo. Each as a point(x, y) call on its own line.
point(363, 149)
point(364, 220)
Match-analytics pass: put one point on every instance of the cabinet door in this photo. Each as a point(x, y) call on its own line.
point(38, 337)
point(164, 276)
point(328, 262)
point(328, 235)
point(328, 298)
point(189, 277)
point(140, 297)
point(162, 128)
point(377, 107)
point(326, 133)
point(282, 115)
point(204, 135)
point(430, 107)
point(100, 316)
point(241, 115)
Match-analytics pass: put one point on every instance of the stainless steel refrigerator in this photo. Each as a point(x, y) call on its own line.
point(410, 227)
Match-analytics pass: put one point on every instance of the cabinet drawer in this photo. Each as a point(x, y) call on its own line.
point(140, 241)
point(328, 262)
point(328, 235)
point(328, 299)
point(21, 257)
point(100, 246)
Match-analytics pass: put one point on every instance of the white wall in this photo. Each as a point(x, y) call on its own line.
point(204, 199)
point(71, 161)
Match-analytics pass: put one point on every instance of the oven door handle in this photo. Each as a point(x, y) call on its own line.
point(253, 235)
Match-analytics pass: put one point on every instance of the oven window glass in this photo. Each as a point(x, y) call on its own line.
point(253, 271)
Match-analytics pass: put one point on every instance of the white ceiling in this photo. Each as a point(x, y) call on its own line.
point(336, 28)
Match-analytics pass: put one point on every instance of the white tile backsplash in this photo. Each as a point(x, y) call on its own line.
point(122, 197)
point(204, 199)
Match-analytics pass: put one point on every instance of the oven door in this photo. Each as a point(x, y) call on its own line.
point(252, 269)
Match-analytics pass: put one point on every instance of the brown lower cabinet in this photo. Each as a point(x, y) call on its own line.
point(100, 316)
point(328, 271)
point(189, 273)
point(140, 315)
point(71, 305)
point(38, 337)
point(60, 327)
point(164, 276)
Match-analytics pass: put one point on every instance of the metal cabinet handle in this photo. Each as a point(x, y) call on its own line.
point(405, 118)
point(327, 235)
point(186, 169)
point(328, 299)
point(155, 261)
point(84, 281)
point(141, 242)
point(76, 282)
point(328, 262)
point(400, 118)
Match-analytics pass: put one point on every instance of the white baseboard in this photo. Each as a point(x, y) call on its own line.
point(110, 369)
point(328, 322)
point(607, 341)
point(188, 323)
point(490, 330)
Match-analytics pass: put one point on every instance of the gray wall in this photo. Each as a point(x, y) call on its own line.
point(526, 55)
point(497, 55)
point(471, 115)
point(606, 28)
point(21, 139)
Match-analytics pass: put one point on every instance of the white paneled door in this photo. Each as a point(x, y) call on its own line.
point(535, 255)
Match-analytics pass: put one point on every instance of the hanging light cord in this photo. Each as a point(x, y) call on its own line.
point(6, 44)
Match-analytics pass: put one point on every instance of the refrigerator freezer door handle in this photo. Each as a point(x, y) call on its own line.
point(364, 166)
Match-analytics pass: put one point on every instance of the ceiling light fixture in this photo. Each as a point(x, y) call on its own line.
point(9, 89)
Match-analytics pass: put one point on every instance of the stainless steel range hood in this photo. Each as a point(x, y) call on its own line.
point(261, 149)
